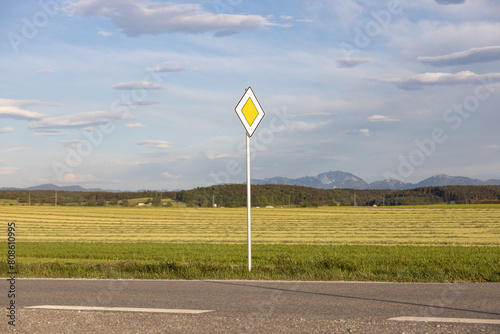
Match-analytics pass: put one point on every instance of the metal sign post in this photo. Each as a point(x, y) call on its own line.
point(249, 206)
point(250, 114)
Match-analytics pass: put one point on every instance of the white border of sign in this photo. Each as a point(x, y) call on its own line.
point(249, 94)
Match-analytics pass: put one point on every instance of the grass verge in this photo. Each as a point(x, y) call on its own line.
point(283, 262)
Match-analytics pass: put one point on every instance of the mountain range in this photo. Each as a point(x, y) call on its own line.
point(50, 186)
point(327, 180)
point(340, 179)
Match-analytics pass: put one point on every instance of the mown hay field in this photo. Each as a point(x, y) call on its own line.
point(466, 225)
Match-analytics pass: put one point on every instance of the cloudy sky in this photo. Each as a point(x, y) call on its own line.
point(135, 94)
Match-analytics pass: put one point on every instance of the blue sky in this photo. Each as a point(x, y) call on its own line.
point(139, 94)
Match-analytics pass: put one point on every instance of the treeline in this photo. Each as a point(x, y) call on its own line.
point(78, 197)
point(234, 195)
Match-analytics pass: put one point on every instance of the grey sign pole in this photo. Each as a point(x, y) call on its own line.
point(250, 113)
point(249, 208)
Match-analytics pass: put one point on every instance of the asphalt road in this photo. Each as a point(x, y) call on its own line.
point(253, 307)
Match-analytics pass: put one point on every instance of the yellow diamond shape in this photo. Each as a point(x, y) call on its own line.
point(249, 111)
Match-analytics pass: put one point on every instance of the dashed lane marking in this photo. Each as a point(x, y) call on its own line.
point(117, 309)
point(452, 320)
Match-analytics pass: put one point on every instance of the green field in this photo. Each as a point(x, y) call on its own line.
point(287, 262)
point(445, 243)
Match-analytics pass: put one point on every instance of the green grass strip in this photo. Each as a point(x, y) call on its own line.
point(270, 261)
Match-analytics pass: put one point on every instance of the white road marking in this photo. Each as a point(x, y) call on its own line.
point(453, 320)
point(117, 309)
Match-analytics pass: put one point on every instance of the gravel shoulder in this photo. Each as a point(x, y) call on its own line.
point(52, 321)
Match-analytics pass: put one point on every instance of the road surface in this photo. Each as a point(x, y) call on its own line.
point(175, 306)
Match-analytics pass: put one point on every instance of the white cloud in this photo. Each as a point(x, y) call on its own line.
point(351, 62)
point(139, 17)
point(38, 180)
point(169, 68)
point(104, 33)
point(90, 128)
point(6, 129)
point(470, 56)
point(418, 81)
point(129, 162)
point(15, 109)
point(72, 178)
point(438, 37)
point(215, 155)
point(8, 170)
point(140, 103)
point(138, 85)
point(304, 126)
point(71, 143)
point(382, 118)
point(135, 125)
point(18, 113)
point(170, 176)
point(53, 133)
point(18, 149)
point(364, 132)
point(493, 146)
point(159, 144)
point(80, 120)
point(357, 132)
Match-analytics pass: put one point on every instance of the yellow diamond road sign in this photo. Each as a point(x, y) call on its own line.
point(249, 111)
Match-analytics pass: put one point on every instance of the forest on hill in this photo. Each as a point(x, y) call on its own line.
point(90, 198)
point(234, 195)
